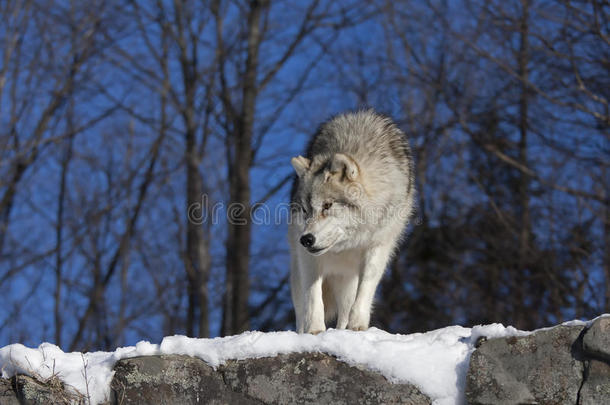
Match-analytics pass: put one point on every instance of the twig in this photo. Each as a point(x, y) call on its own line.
point(85, 363)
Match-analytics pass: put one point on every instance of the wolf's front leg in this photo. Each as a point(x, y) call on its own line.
point(314, 306)
point(375, 261)
point(345, 289)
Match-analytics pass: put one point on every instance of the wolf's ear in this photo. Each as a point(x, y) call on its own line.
point(344, 164)
point(300, 164)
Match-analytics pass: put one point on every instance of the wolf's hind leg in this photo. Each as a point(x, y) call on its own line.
point(330, 309)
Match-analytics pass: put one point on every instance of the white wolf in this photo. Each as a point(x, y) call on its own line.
point(351, 200)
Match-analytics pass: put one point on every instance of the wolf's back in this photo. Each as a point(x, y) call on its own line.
point(374, 141)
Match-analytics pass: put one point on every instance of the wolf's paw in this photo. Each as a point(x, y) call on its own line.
point(358, 320)
point(358, 328)
point(315, 327)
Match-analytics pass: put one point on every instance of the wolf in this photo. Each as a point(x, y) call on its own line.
point(352, 198)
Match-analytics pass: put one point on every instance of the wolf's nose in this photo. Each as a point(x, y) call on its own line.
point(308, 240)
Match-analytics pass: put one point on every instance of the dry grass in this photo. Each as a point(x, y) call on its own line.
point(32, 386)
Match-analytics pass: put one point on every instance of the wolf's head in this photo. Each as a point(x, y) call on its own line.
point(328, 202)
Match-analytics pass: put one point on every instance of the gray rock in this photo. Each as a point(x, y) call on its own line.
point(8, 396)
point(174, 379)
point(596, 387)
point(285, 379)
point(26, 390)
point(596, 341)
point(305, 378)
point(542, 368)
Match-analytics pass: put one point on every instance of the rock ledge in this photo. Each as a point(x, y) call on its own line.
point(560, 365)
point(298, 378)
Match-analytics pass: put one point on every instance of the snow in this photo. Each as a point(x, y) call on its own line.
point(436, 361)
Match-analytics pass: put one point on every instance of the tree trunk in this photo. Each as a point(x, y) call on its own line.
point(235, 317)
point(59, 231)
point(197, 257)
point(197, 260)
point(524, 203)
point(606, 219)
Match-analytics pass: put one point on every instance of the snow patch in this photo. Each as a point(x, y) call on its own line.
point(436, 361)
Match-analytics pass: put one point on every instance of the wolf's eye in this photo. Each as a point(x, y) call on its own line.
point(327, 205)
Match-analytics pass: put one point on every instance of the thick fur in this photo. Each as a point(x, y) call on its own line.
point(353, 194)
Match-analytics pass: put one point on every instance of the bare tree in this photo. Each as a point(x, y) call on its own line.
point(40, 79)
point(172, 35)
point(48, 58)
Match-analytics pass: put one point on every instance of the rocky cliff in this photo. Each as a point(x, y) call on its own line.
point(566, 364)
point(560, 365)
